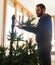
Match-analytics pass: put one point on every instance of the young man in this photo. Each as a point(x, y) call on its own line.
point(43, 32)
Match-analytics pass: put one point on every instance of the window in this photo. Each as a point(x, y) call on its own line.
point(11, 9)
point(25, 33)
point(10, 12)
point(53, 41)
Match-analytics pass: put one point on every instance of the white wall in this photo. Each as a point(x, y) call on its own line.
point(1, 18)
point(31, 4)
point(28, 5)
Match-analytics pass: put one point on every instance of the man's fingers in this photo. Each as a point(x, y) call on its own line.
point(19, 26)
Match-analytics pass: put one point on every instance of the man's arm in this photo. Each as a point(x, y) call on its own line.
point(41, 26)
point(44, 24)
point(28, 28)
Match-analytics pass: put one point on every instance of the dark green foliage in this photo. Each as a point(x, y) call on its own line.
point(25, 55)
point(28, 22)
point(2, 55)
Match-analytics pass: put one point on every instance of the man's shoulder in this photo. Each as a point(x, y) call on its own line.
point(47, 16)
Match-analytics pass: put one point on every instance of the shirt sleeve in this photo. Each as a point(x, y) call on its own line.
point(30, 29)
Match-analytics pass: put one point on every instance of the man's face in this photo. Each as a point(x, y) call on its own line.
point(39, 11)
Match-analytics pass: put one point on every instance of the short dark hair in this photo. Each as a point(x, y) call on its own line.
point(42, 6)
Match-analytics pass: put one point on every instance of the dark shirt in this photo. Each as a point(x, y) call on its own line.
point(43, 30)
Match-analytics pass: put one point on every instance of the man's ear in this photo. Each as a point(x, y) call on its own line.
point(43, 9)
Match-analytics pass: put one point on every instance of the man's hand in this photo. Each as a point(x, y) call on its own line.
point(19, 26)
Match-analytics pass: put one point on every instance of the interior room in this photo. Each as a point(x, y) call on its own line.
point(22, 11)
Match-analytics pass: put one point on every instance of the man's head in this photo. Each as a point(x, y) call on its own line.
point(40, 10)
